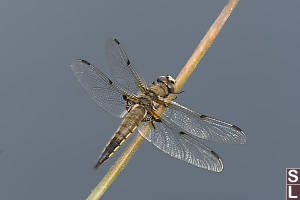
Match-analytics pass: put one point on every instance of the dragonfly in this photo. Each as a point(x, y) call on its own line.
point(177, 131)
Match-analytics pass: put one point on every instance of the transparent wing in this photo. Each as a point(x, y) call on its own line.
point(180, 145)
point(202, 126)
point(102, 90)
point(121, 68)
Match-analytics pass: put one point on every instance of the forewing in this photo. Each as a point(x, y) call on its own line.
point(101, 89)
point(121, 68)
point(181, 146)
point(203, 126)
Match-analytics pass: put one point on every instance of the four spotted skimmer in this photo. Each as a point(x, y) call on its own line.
point(178, 131)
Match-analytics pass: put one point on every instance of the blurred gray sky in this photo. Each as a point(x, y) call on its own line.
point(52, 133)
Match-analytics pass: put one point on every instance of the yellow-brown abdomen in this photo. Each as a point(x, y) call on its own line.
point(128, 125)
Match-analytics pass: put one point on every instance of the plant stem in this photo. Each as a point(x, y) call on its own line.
point(204, 44)
point(116, 168)
point(180, 80)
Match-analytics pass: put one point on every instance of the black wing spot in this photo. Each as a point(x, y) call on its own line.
point(117, 41)
point(110, 82)
point(182, 133)
point(85, 62)
point(215, 154)
point(124, 97)
point(236, 128)
point(128, 62)
point(203, 116)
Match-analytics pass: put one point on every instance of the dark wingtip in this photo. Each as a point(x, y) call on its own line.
point(243, 138)
point(116, 40)
point(84, 61)
point(221, 163)
point(203, 116)
point(215, 154)
point(237, 128)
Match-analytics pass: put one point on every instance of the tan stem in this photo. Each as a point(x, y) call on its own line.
point(180, 80)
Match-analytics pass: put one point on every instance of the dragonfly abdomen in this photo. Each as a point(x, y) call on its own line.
point(128, 125)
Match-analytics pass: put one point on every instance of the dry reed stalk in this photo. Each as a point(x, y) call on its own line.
point(180, 80)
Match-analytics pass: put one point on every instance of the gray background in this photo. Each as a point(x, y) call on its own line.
point(52, 133)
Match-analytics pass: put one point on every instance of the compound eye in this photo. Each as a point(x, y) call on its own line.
point(171, 79)
point(171, 87)
point(171, 90)
point(161, 79)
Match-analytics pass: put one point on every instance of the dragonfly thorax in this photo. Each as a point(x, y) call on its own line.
point(151, 98)
point(145, 100)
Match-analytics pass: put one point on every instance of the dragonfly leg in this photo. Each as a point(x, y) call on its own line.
point(178, 92)
point(157, 120)
point(148, 118)
point(129, 105)
point(152, 123)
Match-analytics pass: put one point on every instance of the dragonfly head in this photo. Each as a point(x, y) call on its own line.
point(168, 81)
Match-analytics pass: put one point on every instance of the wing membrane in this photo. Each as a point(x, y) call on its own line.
point(202, 126)
point(182, 146)
point(101, 89)
point(121, 68)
